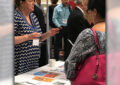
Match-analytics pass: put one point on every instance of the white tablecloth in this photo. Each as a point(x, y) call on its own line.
point(28, 78)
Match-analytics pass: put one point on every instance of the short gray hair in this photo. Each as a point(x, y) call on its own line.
point(78, 1)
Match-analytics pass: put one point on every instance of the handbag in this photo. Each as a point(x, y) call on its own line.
point(92, 72)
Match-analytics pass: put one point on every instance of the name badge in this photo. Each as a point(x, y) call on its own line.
point(64, 21)
point(36, 42)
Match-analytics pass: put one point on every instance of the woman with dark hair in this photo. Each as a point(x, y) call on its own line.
point(85, 46)
point(27, 33)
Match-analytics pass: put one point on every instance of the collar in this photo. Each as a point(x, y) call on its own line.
point(63, 6)
point(37, 4)
point(80, 9)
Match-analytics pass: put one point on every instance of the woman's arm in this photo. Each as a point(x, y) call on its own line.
point(35, 35)
point(83, 46)
point(50, 33)
point(23, 38)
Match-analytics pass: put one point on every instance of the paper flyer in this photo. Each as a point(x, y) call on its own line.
point(51, 75)
point(45, 79)
point(41, 73)
point(46, 74)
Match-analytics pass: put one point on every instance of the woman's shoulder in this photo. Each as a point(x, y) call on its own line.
point(88, 34)
point(17, 14)
point(33, 16)
point(85, 36)
point(99, 27)
point(88, 31)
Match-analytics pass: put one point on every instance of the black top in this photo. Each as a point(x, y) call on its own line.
point(51, 9)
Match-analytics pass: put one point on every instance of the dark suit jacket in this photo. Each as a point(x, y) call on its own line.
point(76, 24)
point(51, 9)
point(39, 13)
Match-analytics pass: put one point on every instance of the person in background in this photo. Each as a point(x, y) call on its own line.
point(27, 34)
point(51, 9)
point(38, 3)
point(77, 22)
point(51, 24)
point(72, 3)
point(84, 46)
point(60, 17)
point(39, 12)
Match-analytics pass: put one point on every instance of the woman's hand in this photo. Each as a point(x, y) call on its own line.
point(34, 35)
point(53, 31)
point(50, 33)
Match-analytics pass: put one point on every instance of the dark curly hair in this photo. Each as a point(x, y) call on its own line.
point(99, 5)
point(54, 1)
point(17, 3)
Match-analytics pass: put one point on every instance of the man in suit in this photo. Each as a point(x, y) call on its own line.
point(38, 10)
point(72, 3)
point(76, 20)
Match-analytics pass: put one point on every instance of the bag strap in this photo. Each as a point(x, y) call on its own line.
point(95, 76)
point(96, 39)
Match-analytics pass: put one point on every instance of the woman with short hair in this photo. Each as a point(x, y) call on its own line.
point(27, 34)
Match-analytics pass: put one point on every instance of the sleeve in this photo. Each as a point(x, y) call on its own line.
point(40, 16)
point(55, 17)
point(83, 46)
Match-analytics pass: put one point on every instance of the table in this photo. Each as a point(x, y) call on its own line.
point(45, 75)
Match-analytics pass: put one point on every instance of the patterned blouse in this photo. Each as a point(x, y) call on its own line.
point(26, 55)
point(82, 49)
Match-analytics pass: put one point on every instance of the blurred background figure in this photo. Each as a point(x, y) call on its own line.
point(72, 3)
point(85, 47)
point(39, 12)
point(38, 3)
point(76, 21)
point(51, 9)
point(60, 17)
point(27, 35)
point(51, 24)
